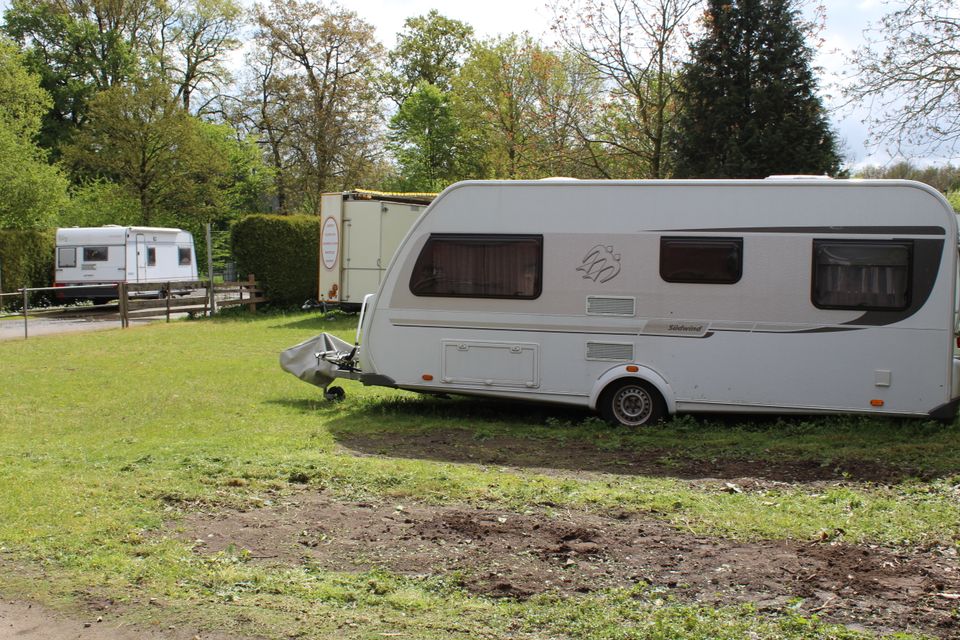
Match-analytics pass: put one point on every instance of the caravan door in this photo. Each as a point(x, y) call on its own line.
point(141, 258)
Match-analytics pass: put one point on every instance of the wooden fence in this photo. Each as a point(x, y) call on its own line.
point(156, 299)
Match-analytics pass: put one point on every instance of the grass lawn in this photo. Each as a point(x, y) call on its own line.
point(108, 439)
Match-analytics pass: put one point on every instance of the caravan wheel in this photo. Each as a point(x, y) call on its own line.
point(631, 403)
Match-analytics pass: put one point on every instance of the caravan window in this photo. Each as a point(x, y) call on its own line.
point(703, 260)
point(184, 255)
point(151, 256)
point(66, 256)
point(856, 274)
point(479, 266)
point(94, 254)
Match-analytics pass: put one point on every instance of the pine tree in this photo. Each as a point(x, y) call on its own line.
point(748, 103)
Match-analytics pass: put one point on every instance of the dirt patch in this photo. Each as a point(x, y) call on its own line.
point(28, 621)
point(577, 456)
point(502, 553)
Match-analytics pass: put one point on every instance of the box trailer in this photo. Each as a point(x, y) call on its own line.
point(360, 231)
point(113, 254)
point(644, 298)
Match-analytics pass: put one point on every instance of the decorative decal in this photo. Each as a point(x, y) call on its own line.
point(665, 327)
point(600, 264)
point(330, 243)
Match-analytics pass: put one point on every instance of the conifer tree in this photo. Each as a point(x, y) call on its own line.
point(748, 103)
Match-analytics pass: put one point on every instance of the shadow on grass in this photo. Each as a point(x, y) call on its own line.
point(549, 439)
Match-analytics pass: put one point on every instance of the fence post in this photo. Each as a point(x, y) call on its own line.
point(252, 308)
point(122, 299)
point(26, 301)
point(212, 291)
point(168, 294)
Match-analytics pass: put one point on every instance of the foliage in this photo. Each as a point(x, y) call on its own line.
point(282, 252)
point(748, 103)
point(953, 197)
point(193, 45)
point(26, 258)
point(79, 48)
point(907, 74)
point(520, 103)
point(635, 46)
point(943, 178)
point(427, 140)
point(32, 192)
point(23, 102)
point(83, 48)
point(313, 98)
point(430, 49)
point(94, 203)
point(141, 138)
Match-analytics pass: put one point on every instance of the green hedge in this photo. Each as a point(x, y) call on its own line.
point(27, 258)
point(282, 252)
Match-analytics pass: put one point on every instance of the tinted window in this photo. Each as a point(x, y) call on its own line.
point(94, 254)
point(66, 256)
point(704, 260)
point(184, 255)
point(479, 266)
point(851, 274)
point(151, 256)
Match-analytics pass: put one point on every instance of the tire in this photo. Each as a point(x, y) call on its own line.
point(631, 403)
point(335, 394)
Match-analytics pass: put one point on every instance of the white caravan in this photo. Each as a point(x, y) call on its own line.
point(112, 254)
point(645, 298)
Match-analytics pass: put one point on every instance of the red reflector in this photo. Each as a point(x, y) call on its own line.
point(876, 403)
point(427, 377)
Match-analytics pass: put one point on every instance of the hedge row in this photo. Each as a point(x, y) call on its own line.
point(26, 258)
point(282, 252)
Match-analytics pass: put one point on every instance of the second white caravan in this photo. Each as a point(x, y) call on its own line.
point(112, 254)
point(646, 298)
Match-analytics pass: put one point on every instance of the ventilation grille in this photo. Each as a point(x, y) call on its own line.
point(617, 351)
point(607, 306)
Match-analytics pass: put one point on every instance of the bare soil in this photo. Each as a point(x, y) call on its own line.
point(578, 456)
point(29, 621)
point(508, 554)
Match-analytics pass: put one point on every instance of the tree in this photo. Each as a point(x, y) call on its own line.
point(524, 105)
point(908, 73)
point(748, 103)
point(80, 47)
point(141, 138)
point(943, 178)
point(323, 109)
point(192, 45)
point(32, 192)
point(430, 49)
point(428, 143)
point(634, 47)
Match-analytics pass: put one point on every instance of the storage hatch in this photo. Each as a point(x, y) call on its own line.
point(491, 364)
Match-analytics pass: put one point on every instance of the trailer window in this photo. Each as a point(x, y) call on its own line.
point(151, 256)
point(184, 255)
point(479, 266)
point(701, 260)
point(66, 256)
point(94, 254)
point(852, 274)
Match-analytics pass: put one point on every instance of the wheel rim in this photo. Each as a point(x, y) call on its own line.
point(632, 405)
